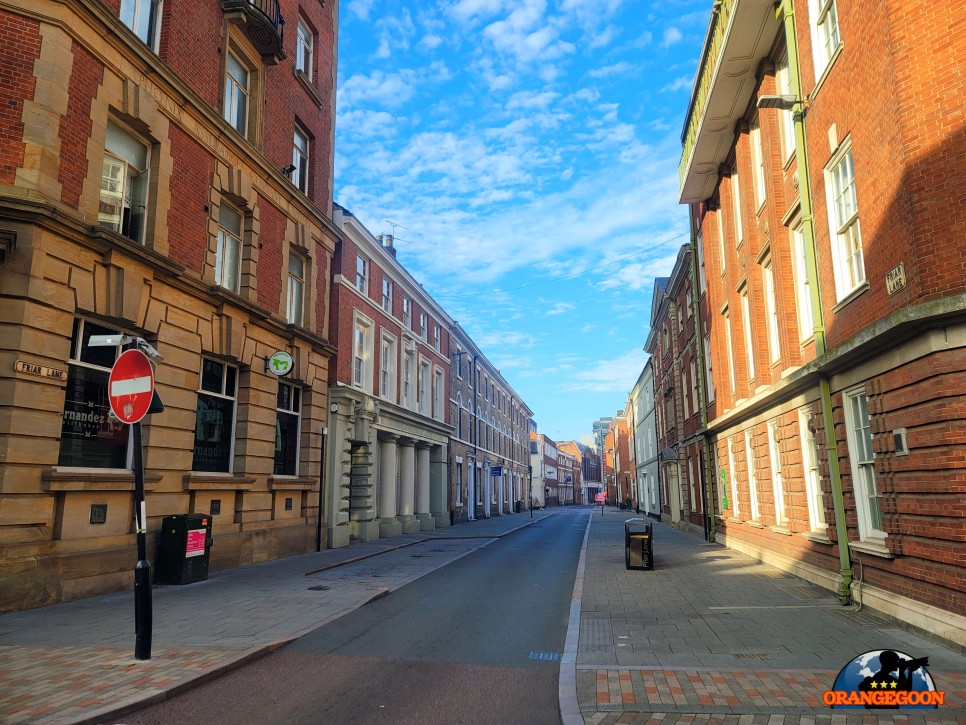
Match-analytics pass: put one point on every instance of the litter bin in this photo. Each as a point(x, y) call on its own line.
point(184, 549)
point(518, 506)
point(638, 544)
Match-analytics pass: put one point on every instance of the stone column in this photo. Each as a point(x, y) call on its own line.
point(438, 486)
point(407, 485)
point(426, 521)
point(389, 525)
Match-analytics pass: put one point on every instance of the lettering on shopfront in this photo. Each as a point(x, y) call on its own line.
point(42, 371)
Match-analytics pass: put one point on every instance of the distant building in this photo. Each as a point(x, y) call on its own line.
point(543, 457)
point(645, 443)
point(588, 463)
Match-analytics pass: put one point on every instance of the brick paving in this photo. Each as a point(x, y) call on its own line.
point(713, 636)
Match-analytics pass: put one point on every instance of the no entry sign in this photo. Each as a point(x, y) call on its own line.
point(131, 386)
point(600, 497)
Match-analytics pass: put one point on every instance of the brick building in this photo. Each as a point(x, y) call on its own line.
point(388, 434)
point(672, 343)
point(165, 174)
point(645, 443)
point(819, 161)
point(624, 466)
point(543, 459)
point(568, 475)
point(588, 464)
point(490, 449)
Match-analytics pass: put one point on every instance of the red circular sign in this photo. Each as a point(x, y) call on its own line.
point(131, 386)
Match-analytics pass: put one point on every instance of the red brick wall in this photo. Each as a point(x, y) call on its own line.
point(19, 50)
point(75, 127)
point(192, 44)
point(271, 234)
point(192, 172)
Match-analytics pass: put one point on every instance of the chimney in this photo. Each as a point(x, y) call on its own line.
point(387, 240)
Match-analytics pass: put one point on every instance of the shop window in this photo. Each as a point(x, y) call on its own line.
point(215, 417)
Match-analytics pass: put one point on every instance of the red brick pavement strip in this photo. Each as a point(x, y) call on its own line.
point(759, 694)
point(37, 679)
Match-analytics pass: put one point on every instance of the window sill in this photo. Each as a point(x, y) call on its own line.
point(290, 483)
point(215, 481)
point(733, 520)
point(851, 296)
point(309, 88)
point(783, 530)
point(819, 537)
point(873, 547)
point(755, 523)
point(61, 478)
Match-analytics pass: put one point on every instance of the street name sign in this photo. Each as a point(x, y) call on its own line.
point(131, 386)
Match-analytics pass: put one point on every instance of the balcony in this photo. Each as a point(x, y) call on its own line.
point(740, 35)
point(262, 22)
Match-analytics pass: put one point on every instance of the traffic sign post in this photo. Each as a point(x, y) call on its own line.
point(131, 392)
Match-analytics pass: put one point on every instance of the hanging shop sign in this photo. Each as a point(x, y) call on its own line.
point(279, 363)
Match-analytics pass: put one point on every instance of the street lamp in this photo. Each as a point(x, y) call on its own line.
point(783, 103)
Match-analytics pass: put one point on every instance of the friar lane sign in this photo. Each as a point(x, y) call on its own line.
point(42, 371)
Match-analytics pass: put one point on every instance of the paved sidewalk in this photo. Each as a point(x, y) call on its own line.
point(74, 662)
point(713, 636)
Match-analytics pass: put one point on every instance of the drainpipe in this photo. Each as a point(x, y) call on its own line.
point(786, 14)
point(707, 490)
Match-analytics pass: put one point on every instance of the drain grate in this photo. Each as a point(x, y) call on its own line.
point(751, 655)
point(549, 656)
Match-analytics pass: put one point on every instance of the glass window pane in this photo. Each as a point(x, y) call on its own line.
point(213, 429)
point(212, 374)
point(89, 436)
point(101, 356)
point(125, 146)
point(230, 219)
point(296, 265)
point(286, 444)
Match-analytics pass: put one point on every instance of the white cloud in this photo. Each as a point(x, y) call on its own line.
point(560, 308)
point(430, 41)
point(671, 36)
point(678, 84)
point(361, 8)
point(611, 70)
point(615, 375)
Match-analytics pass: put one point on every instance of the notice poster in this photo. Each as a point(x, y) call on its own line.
point(196, 543)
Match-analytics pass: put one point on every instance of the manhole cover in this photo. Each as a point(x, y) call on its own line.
point(549, 656)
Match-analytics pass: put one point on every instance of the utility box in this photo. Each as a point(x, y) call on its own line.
point(184, 549)
point(638, 544)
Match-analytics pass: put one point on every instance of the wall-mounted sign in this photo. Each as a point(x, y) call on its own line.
point(496, 470)
point(42, 371)
point(896, 279)
point(280, 363)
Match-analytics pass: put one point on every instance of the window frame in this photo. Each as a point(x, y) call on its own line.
point(813, 480)
point(222, 395)
point(387, 294)
point(151, 36)
point(295, 290)
point(746, 332)
point(134, 187)
point(223, 236)
point(301, 157)
point(777, 481)
point(848, 258)
point(757, 163)
point(305, 49)
point(729, 343)
point(362, 353)
point(735, 506)
point(771, 311)
point(803, 293)
point(822, 31)
point(387, 373)
point(752, 475)
point(233, 90)
point(860, 443)
point(295, 409)
point(786, 119)
point(736, 206)
point(407, 312)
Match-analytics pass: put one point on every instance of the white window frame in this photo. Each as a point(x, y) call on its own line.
point(786, 119)
point(125, 182)
point(295, 409)
point(695, 402)
point(459, 416)
point(424, 386)
point(387, 294)
point(238, 94)
point(409, 364)
point(746, 330)
point(813, 482)
point(862, 461)
point(439, 387)
point(407, 311)
point(300, 160)
point(771, 310)
point(708, 367)
point(143, 17)
point(295, 291)
point(757, 163)
point(304, 45)
point(777, 482)
point(387, 367)
point(752, 478)
point(719, 216)
point(730, 349)
point(437, 336)
point(422, 326)
point(803, 294)
point(362, 353)
point(362, 274)
point(844, 228)
point(736, 206)
point(735, 508)
point(459, 363)
point(699, 248)
point(228, 252)
point(825, 33)
point(459, 482)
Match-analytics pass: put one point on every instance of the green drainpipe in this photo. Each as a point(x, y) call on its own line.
point(702, 389)
point(786, 14)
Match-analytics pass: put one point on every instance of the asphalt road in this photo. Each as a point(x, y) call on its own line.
point(471, 642)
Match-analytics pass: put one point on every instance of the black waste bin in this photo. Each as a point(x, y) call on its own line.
point(184, 549)
point(638, 544)
point(518, 506)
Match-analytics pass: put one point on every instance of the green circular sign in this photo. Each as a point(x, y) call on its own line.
point(280, 363)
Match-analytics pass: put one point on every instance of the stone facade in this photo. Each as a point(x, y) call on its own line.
point(129, 203)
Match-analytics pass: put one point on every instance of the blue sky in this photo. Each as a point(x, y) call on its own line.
point(516, 142)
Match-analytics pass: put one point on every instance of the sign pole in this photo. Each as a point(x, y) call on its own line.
point(143, 615)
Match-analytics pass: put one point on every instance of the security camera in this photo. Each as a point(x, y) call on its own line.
point(108, 340)
point(146, 347)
